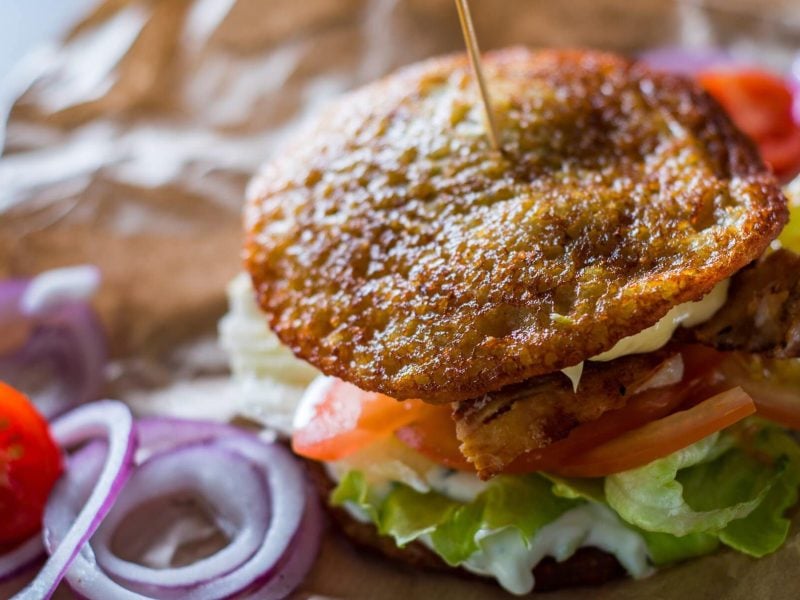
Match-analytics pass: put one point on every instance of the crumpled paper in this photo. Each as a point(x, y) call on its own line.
point(129, 145)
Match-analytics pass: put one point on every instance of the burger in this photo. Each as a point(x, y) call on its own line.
point(550, 363)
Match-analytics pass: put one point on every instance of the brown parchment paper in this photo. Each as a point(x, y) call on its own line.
point(129, 144)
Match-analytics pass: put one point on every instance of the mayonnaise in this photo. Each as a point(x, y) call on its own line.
point(388, 461)
point(510, 558)
point(687, 314)
point(503, 553)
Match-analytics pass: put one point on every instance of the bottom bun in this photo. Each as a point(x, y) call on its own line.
point(587, 567)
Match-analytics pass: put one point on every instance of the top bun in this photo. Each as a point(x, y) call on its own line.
point(393, 248)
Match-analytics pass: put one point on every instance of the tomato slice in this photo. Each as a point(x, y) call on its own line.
point(640, 410)
point(662, 437)
point(30, 464)
point(774, 386)
point(783, 152)
point(760, 104)
point(433, 434)
point(344, 419)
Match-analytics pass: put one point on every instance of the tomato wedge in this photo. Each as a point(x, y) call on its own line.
point(433, 434)
point(760, 103)
point(30, 464)
point(343, 419)
point(662, 437)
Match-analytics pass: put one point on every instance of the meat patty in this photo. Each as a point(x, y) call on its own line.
point(500, 426)
point(762, 313)
point(391, 247)
point(588, 566)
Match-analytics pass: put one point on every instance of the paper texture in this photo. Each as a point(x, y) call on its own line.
point(129, 145)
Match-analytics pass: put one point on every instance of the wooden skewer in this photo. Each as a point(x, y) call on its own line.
point(474, 52)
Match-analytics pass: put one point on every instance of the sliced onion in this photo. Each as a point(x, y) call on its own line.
point(233, 487)
point(300, 556)
point(20, 558)
point(53, 347)
point(159, 434)
point(109, 420)
point(289, 497)
point(257, 490)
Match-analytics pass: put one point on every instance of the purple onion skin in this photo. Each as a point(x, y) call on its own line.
point(303, 559)
point(167, 435)
point(66, 343)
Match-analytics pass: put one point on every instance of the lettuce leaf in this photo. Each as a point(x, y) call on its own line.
point(652, 497)
point(731, 488)
point(734, 487)
point(664, 548)
point(765, 529)
point(522, 502)
point(790, 236)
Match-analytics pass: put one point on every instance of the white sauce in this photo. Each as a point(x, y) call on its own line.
point(51, 288)
point(505, 555)
point(687, 314)
point(574, 373)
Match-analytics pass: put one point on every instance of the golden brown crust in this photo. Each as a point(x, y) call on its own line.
point(394, 249)
point(588, 566)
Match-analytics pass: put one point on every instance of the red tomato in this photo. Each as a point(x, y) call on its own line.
point(30, 464)
point(761, 105)
point(345, 419)
point(640, 410)
point(662, 437)
point(433, 434)
point(776, 392)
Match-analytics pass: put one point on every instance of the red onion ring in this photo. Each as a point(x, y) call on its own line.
point(290, 525)
point(112, 421)
point(50, 333)
point(233, 487)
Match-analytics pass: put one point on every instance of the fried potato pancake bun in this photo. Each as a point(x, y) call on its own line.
point(394, 249)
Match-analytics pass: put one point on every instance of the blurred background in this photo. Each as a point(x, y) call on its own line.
point(24, 25)
point(130, 128)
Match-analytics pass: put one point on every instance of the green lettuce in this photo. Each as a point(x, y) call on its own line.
point(734, 487)
point(662, 548)
point(522, 502)
point(731, 488)
point(790, 236)
point(652, 497)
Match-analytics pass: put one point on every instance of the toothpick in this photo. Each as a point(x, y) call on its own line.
point(474, 52)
